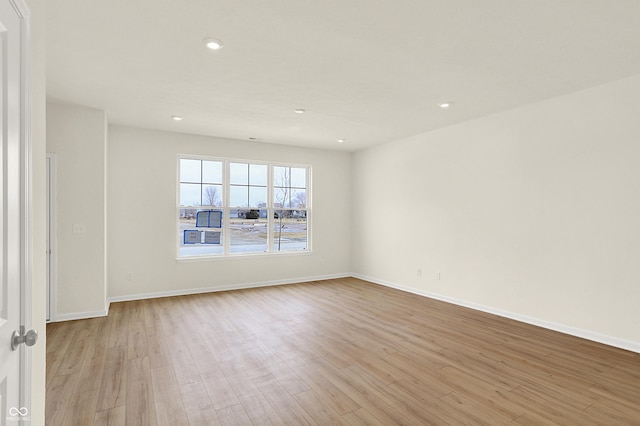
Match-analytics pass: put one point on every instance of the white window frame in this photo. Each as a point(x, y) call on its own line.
point(226, 209)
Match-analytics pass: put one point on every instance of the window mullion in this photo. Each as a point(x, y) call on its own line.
point(248, 184)
point(307, 206)
point(270, 209)
point(201, 182)
point(226, 211)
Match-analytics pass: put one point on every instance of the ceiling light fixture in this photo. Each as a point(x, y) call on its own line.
point(445, 105)
point(341, 140)
point(213, 44)
point(177, 118)
point(299, 111)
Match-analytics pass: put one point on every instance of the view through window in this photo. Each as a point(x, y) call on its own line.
point(228, 207)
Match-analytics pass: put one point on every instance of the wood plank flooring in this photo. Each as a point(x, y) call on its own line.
point(342, 352)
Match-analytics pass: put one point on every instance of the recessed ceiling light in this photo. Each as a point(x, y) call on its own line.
point(445, 105)
point(341, 140)
point(213, 44)
point(299, 111)
point(177, 117)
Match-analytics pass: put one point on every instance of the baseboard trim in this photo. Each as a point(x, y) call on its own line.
point(577, 332)
point(242, 286)
point(80, 315)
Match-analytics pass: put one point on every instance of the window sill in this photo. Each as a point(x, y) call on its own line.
point(241, 256)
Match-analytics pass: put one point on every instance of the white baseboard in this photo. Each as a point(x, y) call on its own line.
point(80, 315)
point(577, 332)
point(241, 286)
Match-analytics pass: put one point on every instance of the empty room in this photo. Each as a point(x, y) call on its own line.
point(334, 212)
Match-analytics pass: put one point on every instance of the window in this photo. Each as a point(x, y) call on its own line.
point(290, 202)
point(229, 207)
point(248, 201)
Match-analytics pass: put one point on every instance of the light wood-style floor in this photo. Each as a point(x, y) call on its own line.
point(331, 352)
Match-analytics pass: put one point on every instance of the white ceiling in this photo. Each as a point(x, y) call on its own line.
point(368, 71)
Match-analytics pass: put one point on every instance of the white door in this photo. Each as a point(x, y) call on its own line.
point(13, 82)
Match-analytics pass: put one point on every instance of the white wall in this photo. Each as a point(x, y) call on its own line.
point(142, 215)
point(77, 135)
point(533, 212)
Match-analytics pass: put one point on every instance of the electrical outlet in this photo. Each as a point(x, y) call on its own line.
point(129, 276)
point(438, 276)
